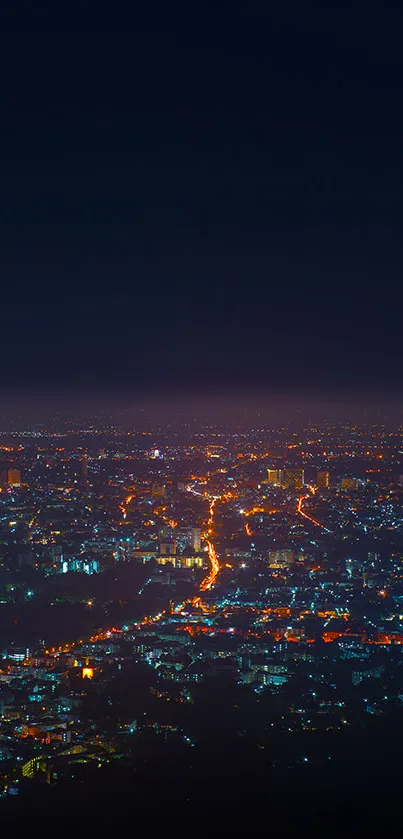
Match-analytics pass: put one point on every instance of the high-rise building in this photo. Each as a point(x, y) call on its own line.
point(281, 558)
point(189, 537)
point(273, 476)
point(13, 477)
point(159, 491)
point(322, 479)
point(293, 478)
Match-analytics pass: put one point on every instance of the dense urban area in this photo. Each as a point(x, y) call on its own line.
point(173, 600)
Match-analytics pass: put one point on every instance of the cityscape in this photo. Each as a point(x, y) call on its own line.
point(201, 424)
point(174, 595)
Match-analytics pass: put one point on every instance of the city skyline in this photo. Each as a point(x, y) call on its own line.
point(224, 602)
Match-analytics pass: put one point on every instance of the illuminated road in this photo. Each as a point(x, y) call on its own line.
point(206, 584)
point(209, 581)
point(305, 515)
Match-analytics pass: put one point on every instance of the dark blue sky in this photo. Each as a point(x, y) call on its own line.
point(212, 200)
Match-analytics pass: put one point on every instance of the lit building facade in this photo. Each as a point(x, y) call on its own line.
point(293, 478)
point(13, 477)
point(274, 476)
point(322, 480)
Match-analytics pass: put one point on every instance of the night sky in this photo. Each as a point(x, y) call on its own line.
point(208, 202)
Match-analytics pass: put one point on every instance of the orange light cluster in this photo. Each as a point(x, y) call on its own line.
point(124, 505)
point(197, 630)
point(209, 581)
point(278, 611)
